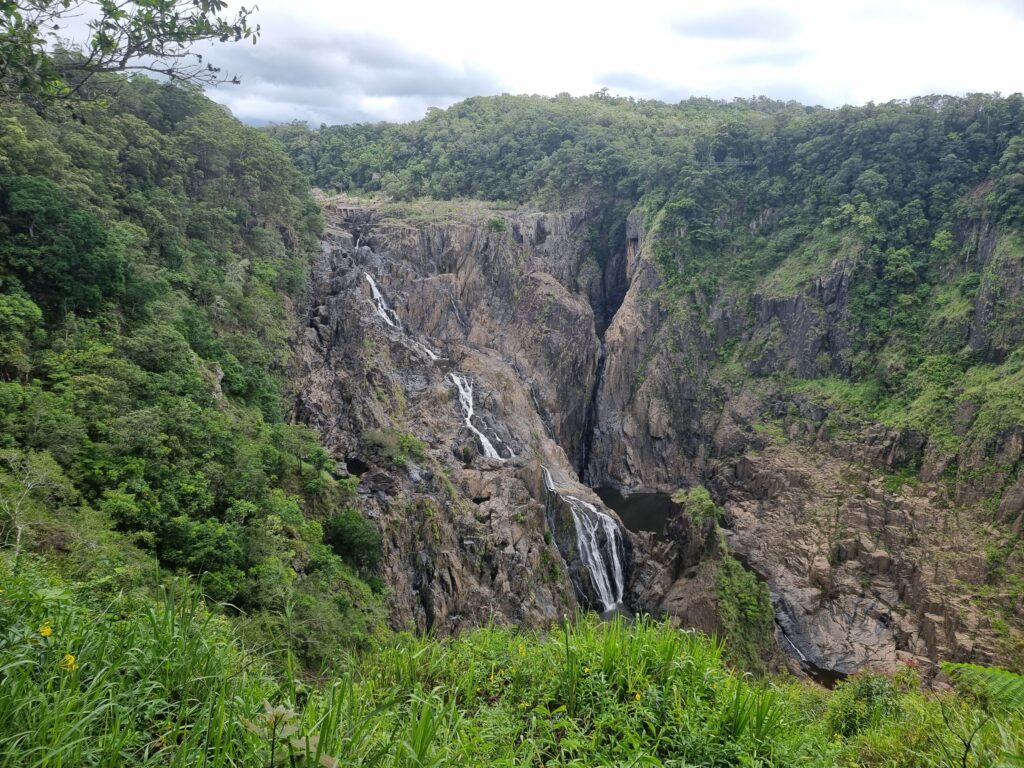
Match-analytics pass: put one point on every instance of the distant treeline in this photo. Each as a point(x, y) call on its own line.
point(562, 149)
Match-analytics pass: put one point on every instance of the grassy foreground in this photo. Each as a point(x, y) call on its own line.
point(110, 680)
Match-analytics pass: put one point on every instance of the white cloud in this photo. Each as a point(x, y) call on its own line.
point(339, 62)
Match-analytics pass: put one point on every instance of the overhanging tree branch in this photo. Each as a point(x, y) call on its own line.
point(153, 36)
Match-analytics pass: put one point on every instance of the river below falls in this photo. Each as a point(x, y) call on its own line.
point(639, 511)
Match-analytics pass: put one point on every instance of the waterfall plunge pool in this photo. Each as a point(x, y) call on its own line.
point(639, 511)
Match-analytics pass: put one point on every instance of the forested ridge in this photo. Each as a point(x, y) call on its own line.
point(564, 149)
point(759, 196)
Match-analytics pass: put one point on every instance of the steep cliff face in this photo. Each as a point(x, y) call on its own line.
point(411, 325)
point(866, 569)
point(418, 314)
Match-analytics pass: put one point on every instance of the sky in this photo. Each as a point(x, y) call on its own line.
point(341, 62)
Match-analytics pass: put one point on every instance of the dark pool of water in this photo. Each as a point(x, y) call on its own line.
point(639, 511)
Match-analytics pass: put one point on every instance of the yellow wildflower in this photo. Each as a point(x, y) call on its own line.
point(68, 663)
point(45, 630)
point(586, 670)
point(637, 696)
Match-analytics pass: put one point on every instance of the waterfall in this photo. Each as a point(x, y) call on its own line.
point(465, 387)
point(391, 318)
point(549, 482)
point(603, 563)
point(426, 350)
point(383, 309)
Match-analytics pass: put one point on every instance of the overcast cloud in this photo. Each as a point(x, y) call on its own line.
point(339, 62)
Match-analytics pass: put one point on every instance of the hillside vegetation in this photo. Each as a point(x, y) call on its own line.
point(185, 581)
point(160, 682)
point(150, 251)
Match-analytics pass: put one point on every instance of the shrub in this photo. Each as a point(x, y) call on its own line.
point(698, 504)
point(746, 614)
point(394, 446)
point(354, 538)
point(862, 702)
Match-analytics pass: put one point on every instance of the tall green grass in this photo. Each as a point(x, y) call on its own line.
point(160, 681)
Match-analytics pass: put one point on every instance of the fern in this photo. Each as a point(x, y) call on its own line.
point(999, 691)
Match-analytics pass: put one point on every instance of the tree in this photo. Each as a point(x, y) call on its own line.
point(19, 323)
point(58, 253)
point(29, 483)
point(154, 36)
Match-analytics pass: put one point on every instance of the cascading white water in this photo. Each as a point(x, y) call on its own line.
point(603, 563)
point(383, 309)
point(549, 481)
point(426, 350)
point(465, 387)
point(391, 318)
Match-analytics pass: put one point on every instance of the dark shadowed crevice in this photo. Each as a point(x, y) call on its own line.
point(356, 466)
point(587, 443)
point(607, 239)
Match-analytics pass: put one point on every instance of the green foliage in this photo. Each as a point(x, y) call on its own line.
point(20, 321)
point(997, 690)
point(32, 487)
point(354, 538)
point(698, 504)
point(142, 35)
point(148, 252)
point(862, 702)
point(56, 252)
point(746, 615)
point(986, 718)
point(394, 446)
point(96, 675)
point(91, 680)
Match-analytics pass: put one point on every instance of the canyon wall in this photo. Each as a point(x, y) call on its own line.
point(587, 367)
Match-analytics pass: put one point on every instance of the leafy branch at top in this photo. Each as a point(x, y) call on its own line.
point(153, 36)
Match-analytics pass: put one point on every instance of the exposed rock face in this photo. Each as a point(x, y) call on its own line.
point(676, 577)
point(502, 301)
point(857, 573)
point(580, 366)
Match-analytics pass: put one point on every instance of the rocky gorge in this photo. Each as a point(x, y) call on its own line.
point(481, 371)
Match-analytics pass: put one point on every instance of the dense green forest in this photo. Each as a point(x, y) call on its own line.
point(150, 250)
point(566, 150)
